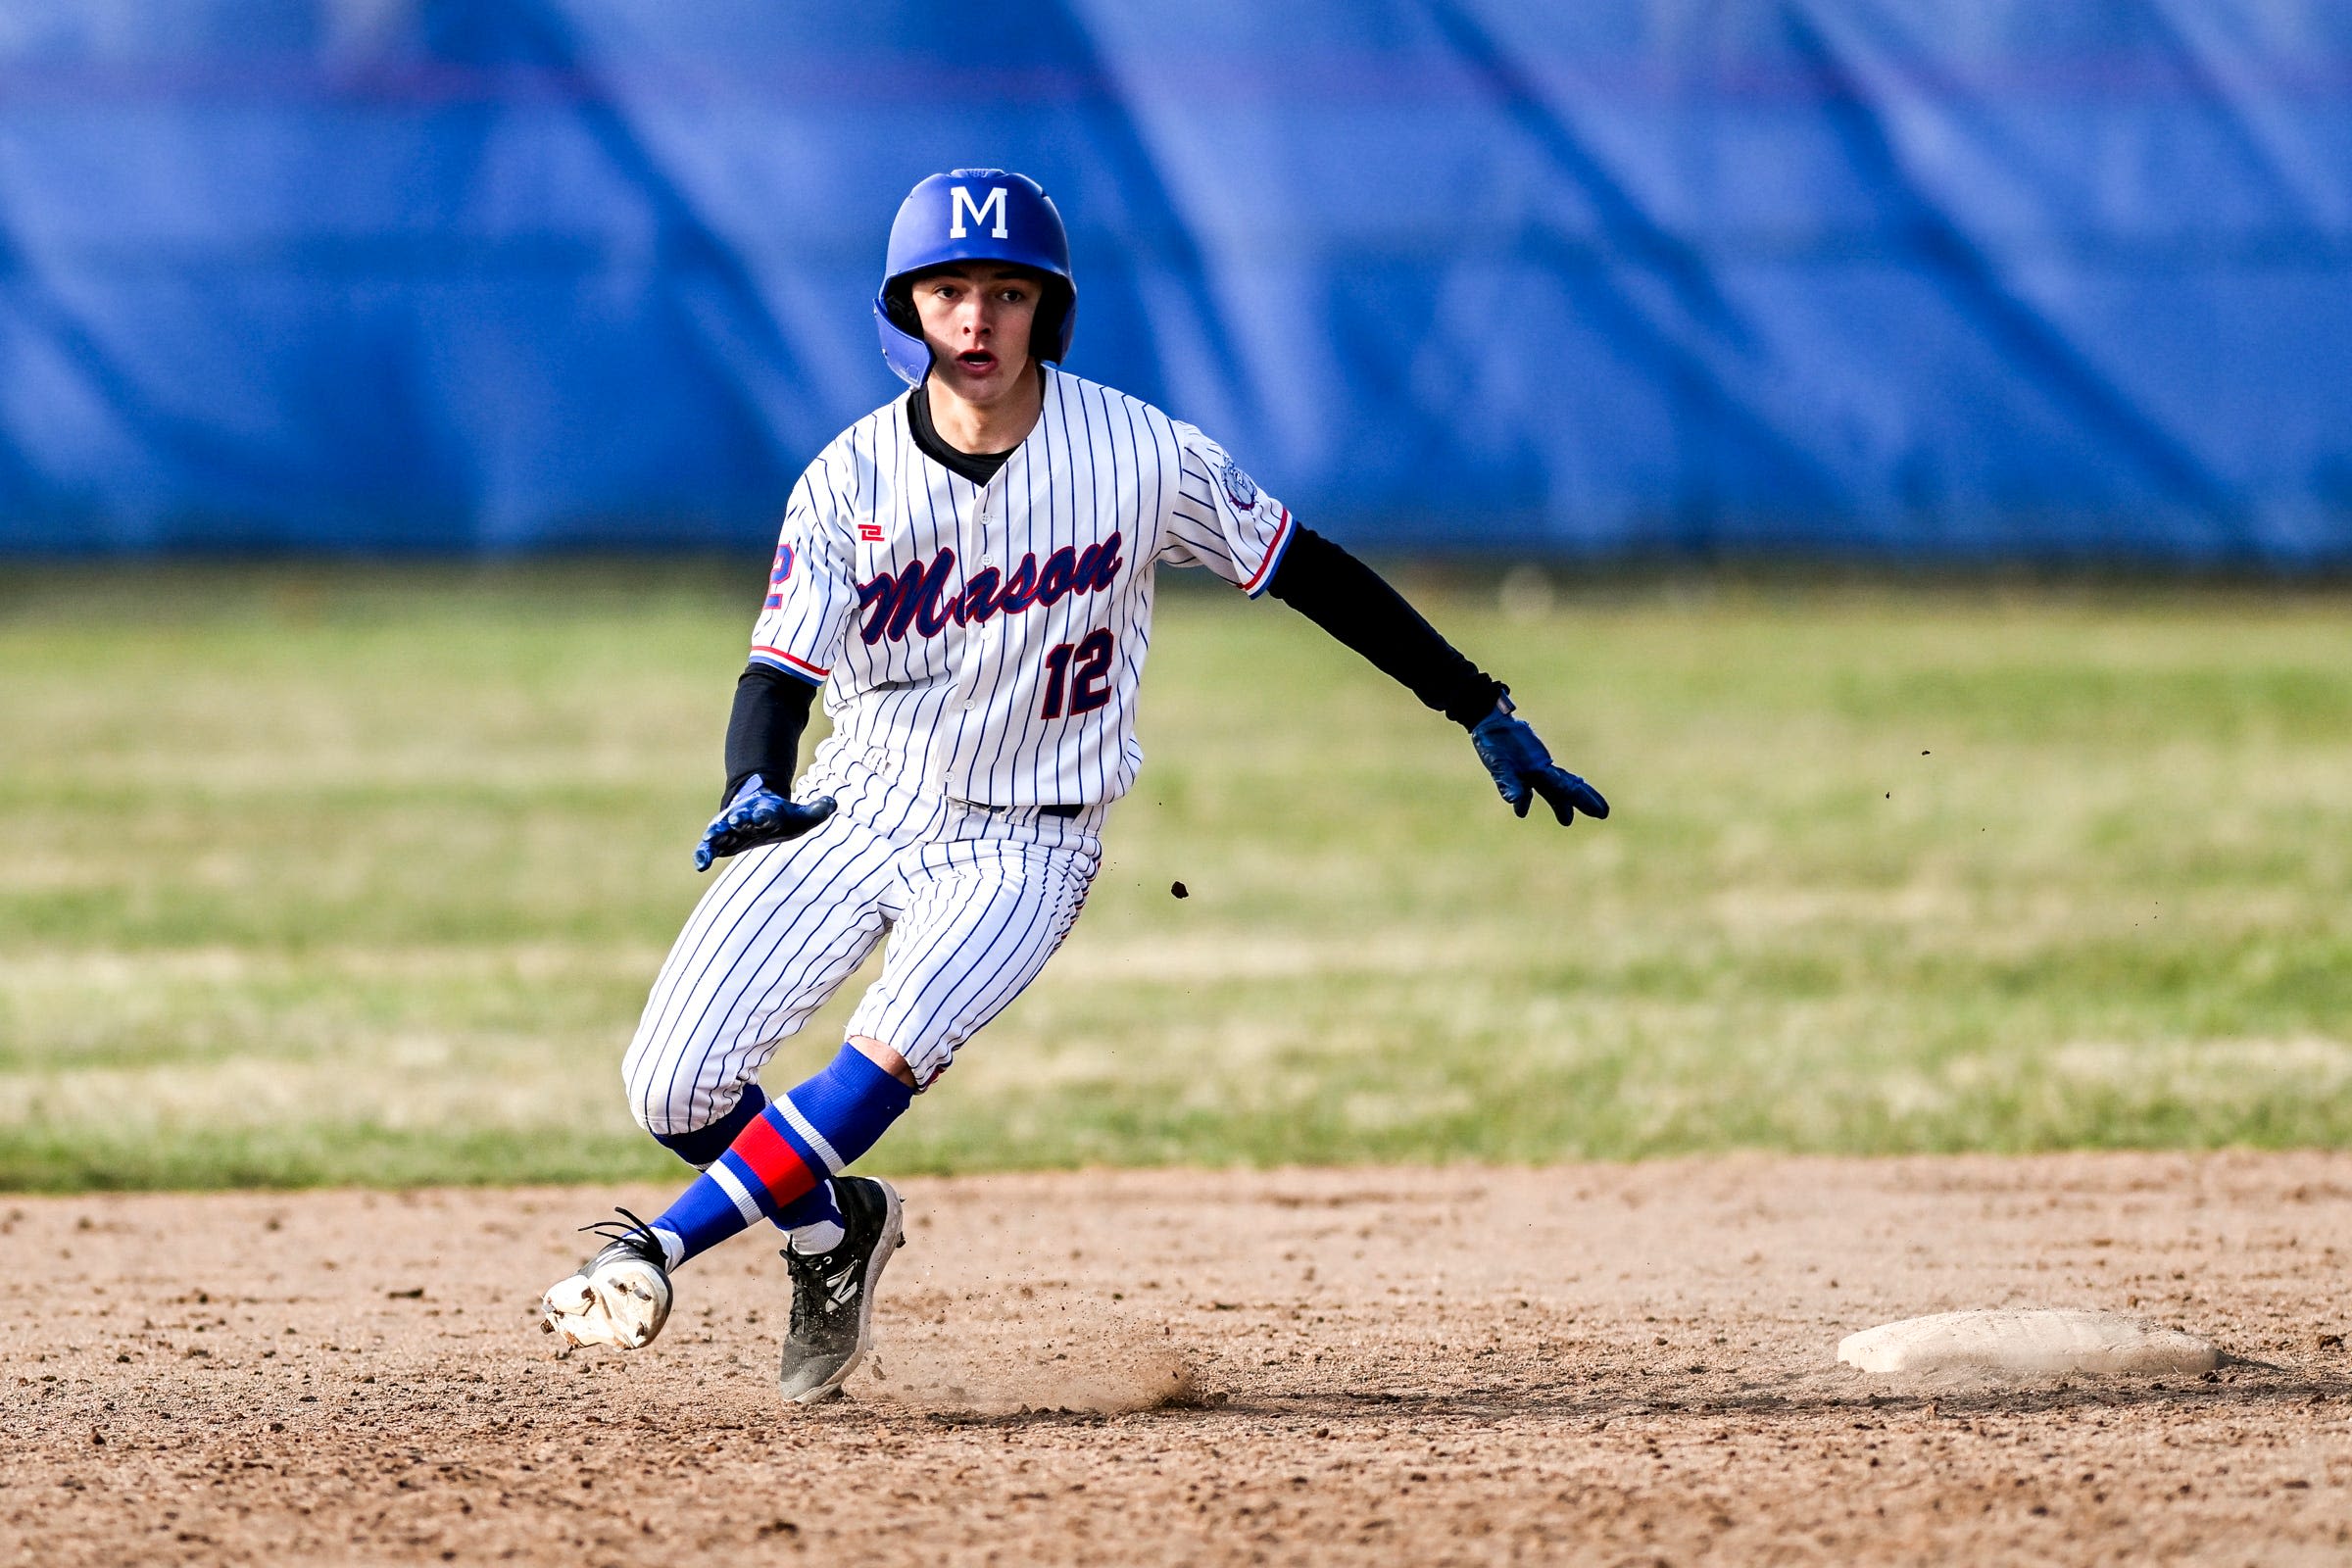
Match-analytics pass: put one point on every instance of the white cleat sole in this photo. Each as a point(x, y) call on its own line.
point(621, 1304)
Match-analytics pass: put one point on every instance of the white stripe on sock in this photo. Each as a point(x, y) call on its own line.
point(745, 1204)
point(816, 1139)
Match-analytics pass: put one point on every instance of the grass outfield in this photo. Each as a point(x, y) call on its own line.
point(350, 874)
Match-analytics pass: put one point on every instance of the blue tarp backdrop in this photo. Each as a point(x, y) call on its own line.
point(1946, 279)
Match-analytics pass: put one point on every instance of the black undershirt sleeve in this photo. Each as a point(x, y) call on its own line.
point(1355, 605)
point(763, 733)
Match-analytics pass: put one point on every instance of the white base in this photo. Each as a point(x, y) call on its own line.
point(2016, 1344)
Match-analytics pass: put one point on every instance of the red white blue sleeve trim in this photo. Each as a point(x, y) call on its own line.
point(788, 660)
point(1274, 552)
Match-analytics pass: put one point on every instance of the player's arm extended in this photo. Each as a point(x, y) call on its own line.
point(764, 744)
point(1355, 605)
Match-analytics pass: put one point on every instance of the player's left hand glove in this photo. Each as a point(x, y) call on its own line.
point(1523, 769)
point(756, 816)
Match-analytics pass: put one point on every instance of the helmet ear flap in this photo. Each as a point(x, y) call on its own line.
point(1049, 329)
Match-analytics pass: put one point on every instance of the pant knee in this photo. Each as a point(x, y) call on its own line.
point(672, 1127)
point(691, 1118)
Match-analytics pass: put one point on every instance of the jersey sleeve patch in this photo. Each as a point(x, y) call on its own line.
point(1239, 487)
point(1250, 528)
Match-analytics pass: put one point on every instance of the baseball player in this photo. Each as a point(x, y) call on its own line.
point(966, 575)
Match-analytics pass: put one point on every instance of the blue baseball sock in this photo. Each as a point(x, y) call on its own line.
point(778, 1163)
point(702, 1148)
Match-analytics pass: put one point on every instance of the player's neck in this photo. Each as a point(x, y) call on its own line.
point(997, 425)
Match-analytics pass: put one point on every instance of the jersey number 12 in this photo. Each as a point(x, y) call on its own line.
point(1090, 688)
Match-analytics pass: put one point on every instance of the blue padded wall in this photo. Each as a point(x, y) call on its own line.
point(1948, 279)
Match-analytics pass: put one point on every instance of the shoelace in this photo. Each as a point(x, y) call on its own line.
point(634, 1230)
point(823, 1293)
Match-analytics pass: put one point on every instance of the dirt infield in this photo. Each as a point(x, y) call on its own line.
point(1593, 1363)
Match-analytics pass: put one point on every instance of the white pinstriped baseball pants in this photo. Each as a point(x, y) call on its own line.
point(974, 901)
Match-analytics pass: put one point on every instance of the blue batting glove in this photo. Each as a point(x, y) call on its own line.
point(756, 816)
point(1523, 769)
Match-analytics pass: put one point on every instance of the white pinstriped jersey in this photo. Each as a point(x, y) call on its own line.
point(986, 640)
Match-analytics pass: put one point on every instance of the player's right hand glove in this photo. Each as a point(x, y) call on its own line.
point(756, 816)
point(1523, 769)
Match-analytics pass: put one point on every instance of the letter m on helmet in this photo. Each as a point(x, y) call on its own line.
point(961, 201)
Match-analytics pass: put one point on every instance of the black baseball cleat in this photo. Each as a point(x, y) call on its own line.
point(833, 1292)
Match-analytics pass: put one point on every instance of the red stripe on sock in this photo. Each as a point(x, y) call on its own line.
point(776, 1163)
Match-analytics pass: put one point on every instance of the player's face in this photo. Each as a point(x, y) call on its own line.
point(976, 319)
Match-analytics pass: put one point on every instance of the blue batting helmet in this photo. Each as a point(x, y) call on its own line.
point(974, 214)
